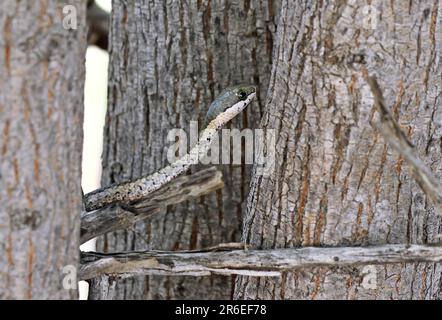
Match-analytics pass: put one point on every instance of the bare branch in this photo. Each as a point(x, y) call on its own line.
point(249, 262)
point(181, 189)
point(393, 134)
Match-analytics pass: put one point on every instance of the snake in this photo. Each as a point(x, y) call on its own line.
point(228, 104)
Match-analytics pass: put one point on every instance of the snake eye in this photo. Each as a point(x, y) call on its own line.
point(242, 95)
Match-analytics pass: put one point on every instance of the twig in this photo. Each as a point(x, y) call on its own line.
point(181, 189)
point(249, 262)
point(393, 134)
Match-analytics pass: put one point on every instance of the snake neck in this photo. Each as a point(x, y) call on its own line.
point(134, 190)
point(130, 191)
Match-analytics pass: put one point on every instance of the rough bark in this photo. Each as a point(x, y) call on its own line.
point(168, 60)
point(99, 222)
point(41, 120)
point(98, 23)
point(337, 182)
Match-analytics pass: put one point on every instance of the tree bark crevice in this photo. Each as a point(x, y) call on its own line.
point(337, 182)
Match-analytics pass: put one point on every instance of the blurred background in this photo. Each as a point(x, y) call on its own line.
point(95, 100)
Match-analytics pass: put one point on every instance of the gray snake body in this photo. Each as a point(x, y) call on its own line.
point(225, 107)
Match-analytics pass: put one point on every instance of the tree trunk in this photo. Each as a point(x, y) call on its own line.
point(336, 180)
point(41, 120)
point(168, 61)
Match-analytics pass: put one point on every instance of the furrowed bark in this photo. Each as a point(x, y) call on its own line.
point(98, 22)
point(41, 136)
point(337, 182)
point(97, 223)
point(255, 263)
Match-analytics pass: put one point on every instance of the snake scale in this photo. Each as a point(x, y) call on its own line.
point(224, 108)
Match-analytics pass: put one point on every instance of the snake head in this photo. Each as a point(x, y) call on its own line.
point(228, 104)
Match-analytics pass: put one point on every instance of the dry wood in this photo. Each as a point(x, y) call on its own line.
point(249, 262)
point(393, 134)
point(179, 190)
point(168, 61)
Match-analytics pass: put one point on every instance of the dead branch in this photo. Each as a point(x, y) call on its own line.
point(249, 262)
point(396, 138)
point(183, 188)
